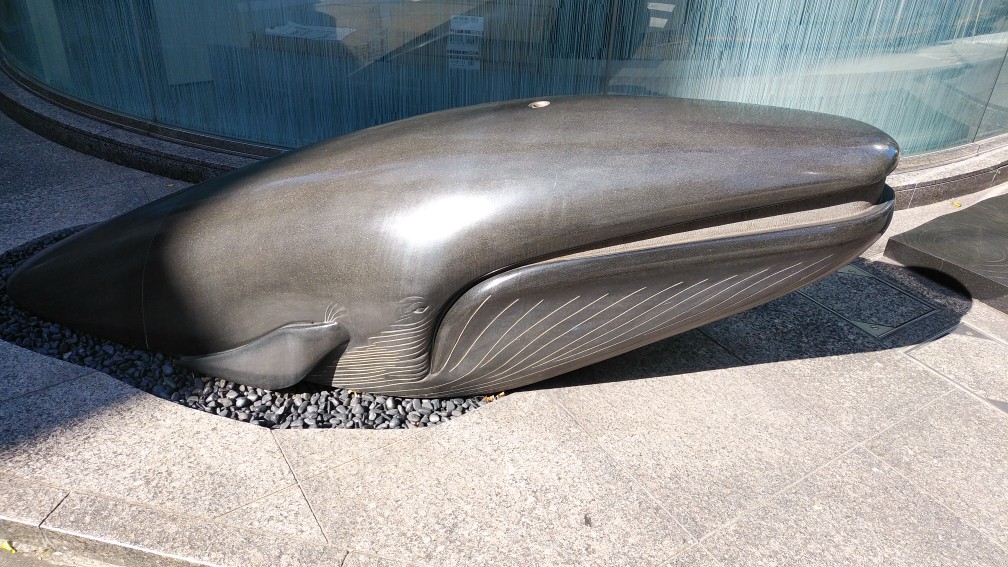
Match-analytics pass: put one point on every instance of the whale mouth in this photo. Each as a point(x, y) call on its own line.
point(276, 360)
point(750, 222)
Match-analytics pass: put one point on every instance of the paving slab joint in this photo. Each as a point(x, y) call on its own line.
point(896, 470)
point(558, 403)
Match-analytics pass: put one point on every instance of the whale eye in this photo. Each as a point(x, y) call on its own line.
point(540, 104)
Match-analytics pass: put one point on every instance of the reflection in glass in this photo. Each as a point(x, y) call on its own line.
point(292, 72)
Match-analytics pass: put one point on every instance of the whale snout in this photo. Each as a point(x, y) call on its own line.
point(92, 281)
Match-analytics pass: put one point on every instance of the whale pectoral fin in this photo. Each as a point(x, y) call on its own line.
point(276, 360)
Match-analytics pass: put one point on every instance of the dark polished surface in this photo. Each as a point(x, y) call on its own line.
point(413, 234)
point(970, 246)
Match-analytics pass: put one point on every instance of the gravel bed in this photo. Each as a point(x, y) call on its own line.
point(301, 406)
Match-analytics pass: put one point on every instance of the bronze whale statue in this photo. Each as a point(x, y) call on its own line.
point(477, 249)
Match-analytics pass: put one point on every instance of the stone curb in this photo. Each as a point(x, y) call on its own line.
point(114, 143)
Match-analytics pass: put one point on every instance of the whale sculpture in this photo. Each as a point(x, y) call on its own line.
point(477, 249)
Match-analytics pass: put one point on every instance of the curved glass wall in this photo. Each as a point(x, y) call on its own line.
point(292, 72)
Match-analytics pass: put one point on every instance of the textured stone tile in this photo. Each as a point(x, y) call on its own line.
point(987, 320)
point(957, 451)
point(153, 186)
point(30, 556)
point(23, 371)
point(925, 329)
point(518, 479)
point(708, 445)
point(938, 292)
point(855, 511)
point(860, 393)
point(47, 167)
point(904, 197)
point(859, 297)
point(23, 506)
point(284, 513)
point(13, 136)
point(695, 556)
point(156, 187)
point(313, 451)
point(28, 216)
point(960, 168)
point(99, 435)
point(928, 194)
point(355, 559)
point(789, 328)
point(951, 303)
point(972, 359)
point(119, 533)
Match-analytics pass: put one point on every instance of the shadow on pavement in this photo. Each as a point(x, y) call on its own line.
point(865, 307)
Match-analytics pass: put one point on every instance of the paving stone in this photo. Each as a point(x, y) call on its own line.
point(707, 445)
point(355, 559)
point(956, 451)
point(23, 506)
point(695, 556)
point(31, 556)
point(988, 320)
point(518, 479)
point(953, 299)
point(33, 214)
point(791, 327)
point(313, 451)
point(972, 359)
point(953, 304)
point(284, 512)
point(23, 371)
point(927, 309)
point(903, 198)
point(120, 533)
point(14, 136)
point(860, 393)
point(99, 435)
point(855, 511)
point(156, 187)
point(859, 297)
point(54, 169)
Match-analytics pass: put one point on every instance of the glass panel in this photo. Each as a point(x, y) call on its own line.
point(995, 119)
point(17, 37)
point(88, 50)
point(920, 69)
point(291, 72)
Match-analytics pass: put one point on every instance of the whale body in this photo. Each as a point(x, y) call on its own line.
point(477, 249)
